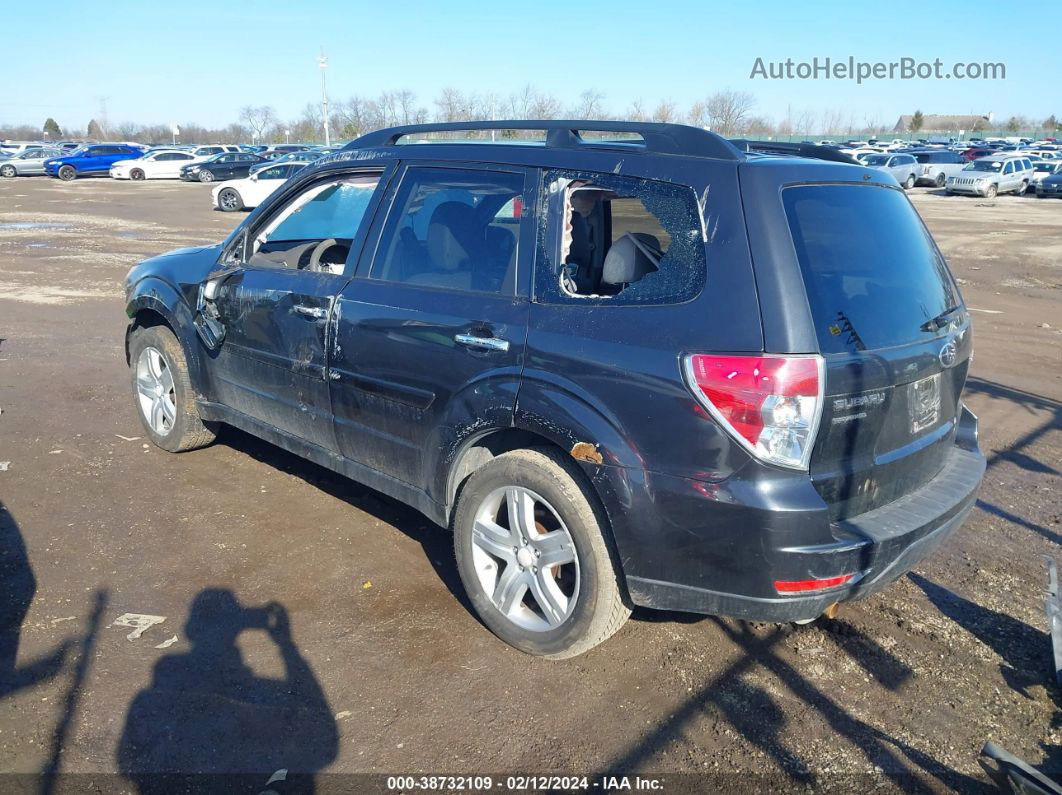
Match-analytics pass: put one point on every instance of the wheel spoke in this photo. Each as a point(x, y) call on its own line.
point(521, 507)
point(550, 599)
point(166, 379)
point(145, 385)
point(494, 540)
point(158, 416)
point(510, 589)
point(168, 409)
point(556, 549)
point(155, 364)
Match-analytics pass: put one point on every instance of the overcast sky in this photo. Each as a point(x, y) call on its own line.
point(202, 61)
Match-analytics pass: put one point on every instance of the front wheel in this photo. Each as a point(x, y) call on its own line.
point(163, 391)
point(8, 171)
point(205, 176)
point(229, 200)
point(137, 174)
point(67, 173)
point(991, 191)
point(531, 550)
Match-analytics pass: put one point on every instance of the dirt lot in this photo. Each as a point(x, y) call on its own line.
point(385, 669)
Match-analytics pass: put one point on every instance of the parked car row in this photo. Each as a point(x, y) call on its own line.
point(243, 178)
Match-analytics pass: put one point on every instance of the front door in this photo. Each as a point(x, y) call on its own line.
point(430, 335)
point(274, 308)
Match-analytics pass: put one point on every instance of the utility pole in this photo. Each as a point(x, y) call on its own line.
point(322, 61)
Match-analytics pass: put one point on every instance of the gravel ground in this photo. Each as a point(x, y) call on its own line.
point(319, 626)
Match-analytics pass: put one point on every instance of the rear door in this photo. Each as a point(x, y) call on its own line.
point(895, 336)
point(430, 336)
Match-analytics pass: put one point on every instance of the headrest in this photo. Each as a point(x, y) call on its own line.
point(452, 235)
point(627, 261)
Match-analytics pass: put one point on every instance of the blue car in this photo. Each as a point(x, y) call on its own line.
point(89, 159)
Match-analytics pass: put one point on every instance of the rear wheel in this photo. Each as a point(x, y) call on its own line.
point(137, 174)
point(8, 171)
point(1020, 190)
point(530, 544)
point(67, 173)
point(940, 180)
point(205, 175)
point(163, 392)
point(909, 182)
point(229, 200)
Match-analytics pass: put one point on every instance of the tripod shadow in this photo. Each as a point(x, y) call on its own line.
point(207, 723)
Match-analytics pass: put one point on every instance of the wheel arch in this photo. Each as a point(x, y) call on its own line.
point(156, 303)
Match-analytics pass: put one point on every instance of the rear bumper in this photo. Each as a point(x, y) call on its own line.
point(878, 546)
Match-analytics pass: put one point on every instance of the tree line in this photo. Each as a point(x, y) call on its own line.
point(730, 113)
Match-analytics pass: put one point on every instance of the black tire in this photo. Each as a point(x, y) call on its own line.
point(187, 431)
point(991, 191)
point(229, 200)
point(600, 608)
point(205, 175)
point(8, 171)
point(909, 182)
point(67, 173)
point(940, 180)
point(137, 174)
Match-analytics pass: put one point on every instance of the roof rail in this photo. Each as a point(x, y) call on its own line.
point(794, 149)
point(671, 139)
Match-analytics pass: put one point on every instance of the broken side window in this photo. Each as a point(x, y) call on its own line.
point(624, 240)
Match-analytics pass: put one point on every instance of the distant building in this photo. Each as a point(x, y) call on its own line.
point(932, 122)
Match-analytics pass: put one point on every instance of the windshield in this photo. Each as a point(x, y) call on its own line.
point(984, 165)
point(875, 160)
point(873, 275)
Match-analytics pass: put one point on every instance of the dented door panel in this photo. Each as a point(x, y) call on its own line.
point(271, 364)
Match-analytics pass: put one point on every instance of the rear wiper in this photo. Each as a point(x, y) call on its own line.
point(941, 320)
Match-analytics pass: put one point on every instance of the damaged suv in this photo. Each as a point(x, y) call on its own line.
point(626, 364)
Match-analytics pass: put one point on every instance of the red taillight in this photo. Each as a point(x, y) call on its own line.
point(804, 586)
point(770, 404)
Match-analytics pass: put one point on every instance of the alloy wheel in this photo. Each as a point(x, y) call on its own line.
point(155, 391)
point(525, 559)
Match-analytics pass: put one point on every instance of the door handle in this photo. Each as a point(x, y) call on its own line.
point(486, 343)
point(311, 311)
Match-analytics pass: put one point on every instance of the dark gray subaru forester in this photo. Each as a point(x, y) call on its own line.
point(627, 364)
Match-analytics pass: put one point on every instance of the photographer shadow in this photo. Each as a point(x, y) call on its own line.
point(208, 723)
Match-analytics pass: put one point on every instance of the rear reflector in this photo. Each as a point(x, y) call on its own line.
point(770, 404)
point(805, 586)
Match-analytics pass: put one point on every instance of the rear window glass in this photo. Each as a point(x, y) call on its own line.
point(873, 275)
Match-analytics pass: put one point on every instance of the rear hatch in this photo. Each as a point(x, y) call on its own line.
point(895, 336)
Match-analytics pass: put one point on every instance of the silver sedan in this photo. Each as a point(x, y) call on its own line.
point(28, 163)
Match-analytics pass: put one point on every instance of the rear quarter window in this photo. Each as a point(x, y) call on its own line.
point(873, 275)
point(606, 239)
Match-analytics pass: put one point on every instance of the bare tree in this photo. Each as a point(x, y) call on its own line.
point(727, 111)
point(636, 112)
point(665, 112)
point(589, 106)
point(258, 119)
point(545, 106)
point(521, 103)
